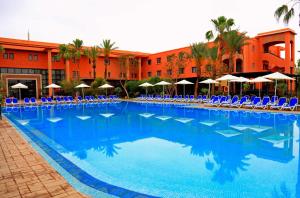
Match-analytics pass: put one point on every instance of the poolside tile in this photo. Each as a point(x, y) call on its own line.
point(24, 173)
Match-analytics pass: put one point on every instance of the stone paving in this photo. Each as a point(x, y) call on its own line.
point(24, 173)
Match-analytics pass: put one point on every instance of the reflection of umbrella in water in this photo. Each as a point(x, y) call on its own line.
point(19, 86)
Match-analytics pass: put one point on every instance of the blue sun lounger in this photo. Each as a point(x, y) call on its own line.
point(240, 103)
point(274, 100)
point(280, 104)
point(15, 102)
point(264, 103)
point(44, 101)
point(26, 101)
point(229, 102)
point(291, 105)
point(255, 102)
point(8, 102)
point(33, 101)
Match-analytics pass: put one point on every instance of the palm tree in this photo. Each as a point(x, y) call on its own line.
point(124, 65)
point(221, 25)
point(66, 55)
point(93, 54)
point(212, 55)
point(76, 50)
point(234, 42)
point(107, 46)
point(286, 11)
point(198, 53)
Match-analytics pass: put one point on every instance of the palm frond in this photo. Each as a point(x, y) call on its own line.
point(209, 35)
point(287, 17)
point(282, 10)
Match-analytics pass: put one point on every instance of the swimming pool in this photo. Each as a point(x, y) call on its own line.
point(129, 149)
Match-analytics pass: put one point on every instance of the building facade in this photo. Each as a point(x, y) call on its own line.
point(36, 63)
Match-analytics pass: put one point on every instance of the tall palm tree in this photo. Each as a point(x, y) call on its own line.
point(221, 25)
point(107, 46)
point(76, 50)
point(66, 55)
point(93, 54)
point(234, 42)
point(198, 53)
point(287, 11)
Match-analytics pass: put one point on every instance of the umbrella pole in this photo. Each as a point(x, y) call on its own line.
point(275, 86)
point(208, 90)
point(163, 91)
point(20, 94)
point(106, 92)
point(184, 91)
point(82, 93)
point(146, 91)
point(241, 90)
point(228, 89)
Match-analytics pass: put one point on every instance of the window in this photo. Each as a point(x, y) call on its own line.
point(265, 65)
point(169, 58)
point(149, 61)
point(208, 68)
point(5, 56)
point(194, 69)
point(107, 61)
point(11, 56)
point(158, 73)
point(158, 61)
point(149, 74)
point(181, 70)
point(169, 72)
point(30, 57)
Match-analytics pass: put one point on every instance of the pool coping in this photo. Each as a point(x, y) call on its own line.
point(104, 189)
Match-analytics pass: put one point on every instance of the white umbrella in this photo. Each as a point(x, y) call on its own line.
point(209, 81)
point(53, 86)
point(82, 85)
point(184, 82)
point(259, 80)
point(277, 76)
point(241, 80)
point(105, 86)
point(163, 83)
point(146, 84)
point(227, 78)
point(19, 86)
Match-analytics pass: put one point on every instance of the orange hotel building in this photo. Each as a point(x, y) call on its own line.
point(35, 64)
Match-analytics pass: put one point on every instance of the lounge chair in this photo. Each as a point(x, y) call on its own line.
point(214, 101)
point(199, 98)
point(8, 102)
point(192, 98)
point(274, 100)
point(59, 100)
point(255, 102)
point(50, 101)
point(280, 104)
point(15, 102)
point(229, 102)
point(224, 99)
point(33, 101)
point(26, 101)
point(44, 101)
point(291, 105)
point(174, 98)
point(204, 98)
point(240, 103)
point(71, 99)
point(264, 103)
point(66, 99)
point(79, 99)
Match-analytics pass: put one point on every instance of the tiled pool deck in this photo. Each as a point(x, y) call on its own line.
point(24, 173)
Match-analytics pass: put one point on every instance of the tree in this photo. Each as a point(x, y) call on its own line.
point(124, 67)
point(286, 11)
point(66, 55)
point(221, 25)
point(93, 54)
point(234, 42)
point(107, 46)
point(76, 51)
point(198, 53)
point(1, 49)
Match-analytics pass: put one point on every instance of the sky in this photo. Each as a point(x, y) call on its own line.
point(138, 25)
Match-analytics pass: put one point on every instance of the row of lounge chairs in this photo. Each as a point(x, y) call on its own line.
point(176, 98)
point(255, 102)
point(59, 100)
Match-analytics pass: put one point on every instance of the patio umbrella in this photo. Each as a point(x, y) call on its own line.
point(259, 80)
point(53, 86)
point(146, 84)
point(19, 86)
point(163, 83)
point(209, 81)
point(105, 86)
point(277, 76)
point(184, 82)
point(227, 78)
point(82, 85)
point(241, 80)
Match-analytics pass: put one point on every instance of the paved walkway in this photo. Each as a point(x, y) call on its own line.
point(24, 173)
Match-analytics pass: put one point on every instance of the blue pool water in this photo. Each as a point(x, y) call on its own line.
point(165, 150)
